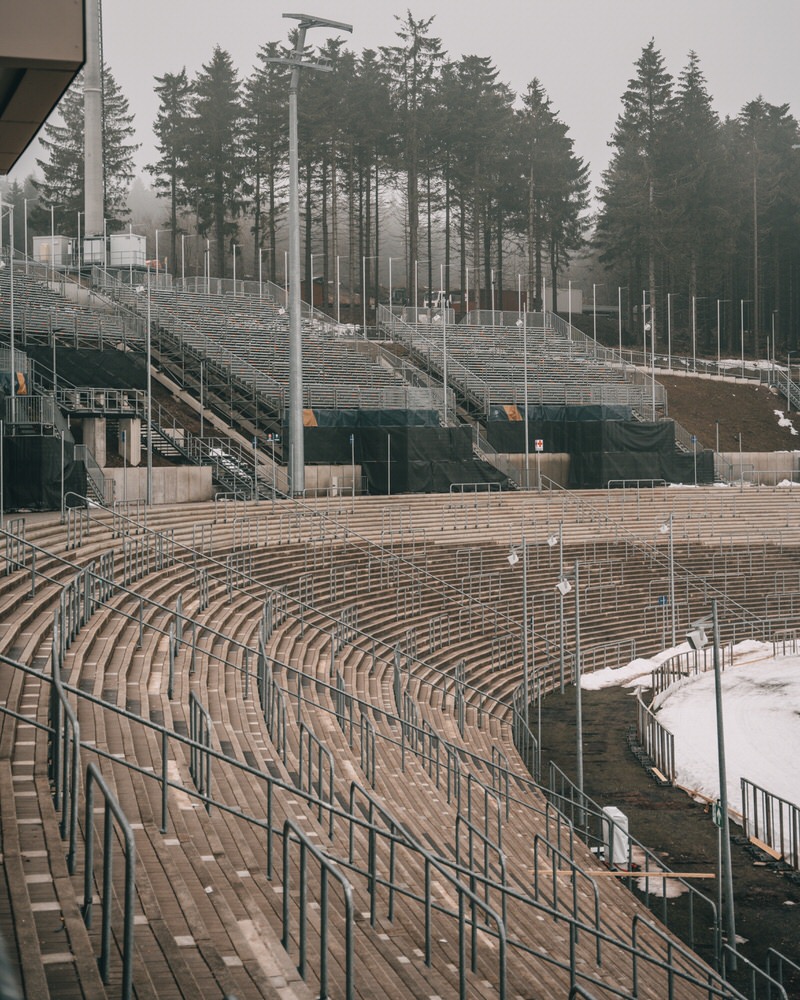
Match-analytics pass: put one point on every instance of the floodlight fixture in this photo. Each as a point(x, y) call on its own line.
point(513, 557)
point(696, 636)
point(563, 587)
point(552, 540)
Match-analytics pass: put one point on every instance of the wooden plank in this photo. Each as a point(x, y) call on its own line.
point(762, 846)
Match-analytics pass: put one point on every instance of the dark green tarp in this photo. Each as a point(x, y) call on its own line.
point(32, 473)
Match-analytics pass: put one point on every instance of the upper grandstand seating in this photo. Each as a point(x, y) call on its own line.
point(563, 366)
point(41, 312)
point(336, 374)
point(356, 666)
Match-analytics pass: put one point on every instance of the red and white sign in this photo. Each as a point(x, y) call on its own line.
point(538, 445)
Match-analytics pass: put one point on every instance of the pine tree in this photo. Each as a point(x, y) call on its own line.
point(216, 174)
point(266, 94)
point(62, 184)
point(635, 192)
point(413, 66)
point(171, 129)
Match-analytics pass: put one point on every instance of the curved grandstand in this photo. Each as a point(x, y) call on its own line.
point(261, 746)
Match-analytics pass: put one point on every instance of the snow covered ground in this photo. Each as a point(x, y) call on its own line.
point(761, 711)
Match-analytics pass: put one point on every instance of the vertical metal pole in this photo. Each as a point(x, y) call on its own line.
point(561, 604)
point(11, 315)
point(527, 429)
point(62, 478)
point(730, 925)
point(672, 580)
point(578, 703)
point(148, 364)
point(388, 465)
point(525, 664)
point(353, 469)
point(296, 444)
point(619, 317)
point(202, 401)
point(444, 338)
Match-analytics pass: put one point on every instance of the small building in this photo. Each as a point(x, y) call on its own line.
point(55, 251)
point(126, 250)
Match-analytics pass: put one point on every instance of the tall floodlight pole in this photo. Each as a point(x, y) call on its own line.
point(727, 875)
point(93, 126)
point(296, 61)
point(11, 313)
point(149, 400)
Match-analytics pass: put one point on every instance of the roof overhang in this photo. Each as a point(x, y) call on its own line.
point(42, 49)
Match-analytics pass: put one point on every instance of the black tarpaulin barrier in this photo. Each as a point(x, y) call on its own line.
point(32, 473)
point(329, 445)
point(429, 476)
point(421, 459)
point(680, 468)
point(584, 411)
point(376, 418)
point(89, 368)
point(596, 470)
point(619, 435)
point(509, 438)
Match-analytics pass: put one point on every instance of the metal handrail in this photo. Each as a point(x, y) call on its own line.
point(111, 809)
point(349, 816)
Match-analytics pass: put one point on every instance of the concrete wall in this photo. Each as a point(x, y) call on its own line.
point(173, 484)
point(764, 468)
point(551, 466)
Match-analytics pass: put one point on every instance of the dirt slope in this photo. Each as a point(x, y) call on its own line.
point(698, 403)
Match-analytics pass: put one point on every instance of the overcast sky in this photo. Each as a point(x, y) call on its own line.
point(583, 51)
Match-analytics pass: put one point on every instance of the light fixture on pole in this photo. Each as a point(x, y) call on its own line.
point(296, 61)
point(719, 327)
point(149, 498)
point(443, 307)
point(53, 245)
point(11, 340)
point(741, 323)
point(364, 295)
point(569, 304)
point(338, 291)
point(416, 286)
point(391, 301)
point(524, 324)
point(513, 559)
point(697, 639)
point(667, 529)
point(563, 587)
point(595, 286)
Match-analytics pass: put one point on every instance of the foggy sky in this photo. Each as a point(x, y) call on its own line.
point(583, 51)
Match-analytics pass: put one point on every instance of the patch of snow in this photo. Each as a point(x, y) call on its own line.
point(784, 421)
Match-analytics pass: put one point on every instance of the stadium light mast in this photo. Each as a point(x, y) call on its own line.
point(296, 62)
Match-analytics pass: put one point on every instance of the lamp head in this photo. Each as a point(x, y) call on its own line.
point(697, 638)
